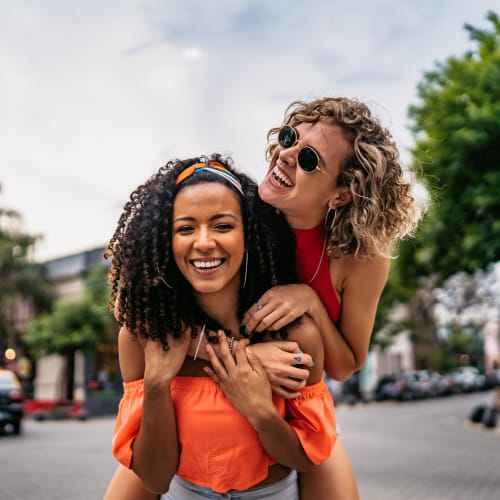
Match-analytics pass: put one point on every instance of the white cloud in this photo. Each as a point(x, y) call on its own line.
point(94, 96)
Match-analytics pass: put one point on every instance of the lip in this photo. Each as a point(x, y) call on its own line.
point(207, 265)
point(278, 178)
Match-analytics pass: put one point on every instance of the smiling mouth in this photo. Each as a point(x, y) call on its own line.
point(280, 177)
point(207, 265)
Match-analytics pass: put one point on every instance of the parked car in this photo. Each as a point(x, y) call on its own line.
point(436, 384)
point(467, 378)
point(401, 386)
point(11, 402)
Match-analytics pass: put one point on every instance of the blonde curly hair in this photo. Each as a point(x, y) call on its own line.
point(383, 208)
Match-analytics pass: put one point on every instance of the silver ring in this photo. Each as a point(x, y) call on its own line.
point(231, 342)
point(259, 306)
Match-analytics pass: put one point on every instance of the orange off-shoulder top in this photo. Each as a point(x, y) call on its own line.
point(219, 447)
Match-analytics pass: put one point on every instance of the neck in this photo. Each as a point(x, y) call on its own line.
point(304, 219)
point(221, 307)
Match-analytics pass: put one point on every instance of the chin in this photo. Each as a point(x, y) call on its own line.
point(267, 191)
point(272, 195)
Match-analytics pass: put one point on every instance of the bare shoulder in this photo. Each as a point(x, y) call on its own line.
point(348, 271)
point(307, 335)
point(131, 356)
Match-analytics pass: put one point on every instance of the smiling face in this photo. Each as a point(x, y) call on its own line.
point(208, 238)
point(304, 197)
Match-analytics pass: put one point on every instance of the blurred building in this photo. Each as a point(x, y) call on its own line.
point(491, 336)
point(95, 375)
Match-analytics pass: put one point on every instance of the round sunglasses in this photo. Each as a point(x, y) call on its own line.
point(308, 158)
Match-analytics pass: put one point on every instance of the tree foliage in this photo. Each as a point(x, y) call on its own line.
point(457, 130)
point(21, 281)
point(77, 323)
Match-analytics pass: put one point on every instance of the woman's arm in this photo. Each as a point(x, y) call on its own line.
point(286, 374)
point(245, 384)
point(346, 343)
point(126, 484)
point(155, 451)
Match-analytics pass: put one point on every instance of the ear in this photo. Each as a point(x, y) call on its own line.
point(340, 197)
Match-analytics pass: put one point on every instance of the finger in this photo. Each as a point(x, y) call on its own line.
point(254, 315)
point(225, 352)
point(212, 375)
point(266, 319)
point(302, 360)
point(288, 346)
point(297, 356)
point(217, 366)
point(290, 384)
point(270, 320)
point(253, 360)
point(281, 391)
point(239, 351)
point(276, 324)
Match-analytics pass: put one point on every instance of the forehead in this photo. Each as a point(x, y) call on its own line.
point(328, 139)
point(206, 198)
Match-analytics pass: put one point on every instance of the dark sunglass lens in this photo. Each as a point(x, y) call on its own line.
point(287, 137)
point(308, 159)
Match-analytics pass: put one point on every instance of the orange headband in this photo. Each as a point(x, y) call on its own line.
point(211, 166)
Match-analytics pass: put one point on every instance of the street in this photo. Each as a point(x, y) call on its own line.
point(417, 450)
point(422, 450)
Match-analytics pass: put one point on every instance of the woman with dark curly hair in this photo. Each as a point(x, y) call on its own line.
point(336, 175)
point(194, 248)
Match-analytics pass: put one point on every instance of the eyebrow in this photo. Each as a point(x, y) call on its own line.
point(213, 218)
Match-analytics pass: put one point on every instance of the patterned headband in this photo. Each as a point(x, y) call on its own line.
point(211, 166)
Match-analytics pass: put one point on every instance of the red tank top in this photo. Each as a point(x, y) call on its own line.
point(310, 249)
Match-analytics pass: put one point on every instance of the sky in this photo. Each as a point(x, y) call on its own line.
point(95, 96)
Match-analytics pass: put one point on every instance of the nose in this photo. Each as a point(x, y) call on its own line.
point(288, 156)
point(204, 240)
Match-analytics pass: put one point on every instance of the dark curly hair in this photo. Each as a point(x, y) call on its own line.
point(151, 295)
point(383, 208)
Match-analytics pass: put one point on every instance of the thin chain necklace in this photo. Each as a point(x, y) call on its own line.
point(320, 260)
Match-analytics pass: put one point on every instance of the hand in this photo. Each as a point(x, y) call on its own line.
point(285, 365)
point(278, 307)
point(242, 378)
point(161, 366)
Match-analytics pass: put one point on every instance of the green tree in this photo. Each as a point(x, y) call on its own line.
point(76, 324)
point(23, 284)
point(457, 130)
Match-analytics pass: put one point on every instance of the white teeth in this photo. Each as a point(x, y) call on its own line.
point(207, 264)
point(281, 177)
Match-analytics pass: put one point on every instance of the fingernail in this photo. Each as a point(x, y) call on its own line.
point(301, 351)
point(313, 364)
point(244, 330)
